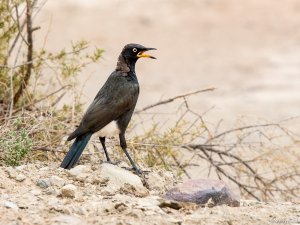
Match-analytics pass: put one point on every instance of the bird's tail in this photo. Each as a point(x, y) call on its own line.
point(75, 151)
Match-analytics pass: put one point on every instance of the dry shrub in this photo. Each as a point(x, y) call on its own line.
point(257, 156)
point(33, 83)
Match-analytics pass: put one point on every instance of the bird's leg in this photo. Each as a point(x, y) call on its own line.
point(102, 140)
point(124, 146)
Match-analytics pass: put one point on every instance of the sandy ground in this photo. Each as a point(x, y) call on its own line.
point(248, 50)
point(27, 197)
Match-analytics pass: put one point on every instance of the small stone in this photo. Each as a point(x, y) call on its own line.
point(68, 191)
point(43, 183)
point(52, 191)
point(11, 205)
point(80, 173)
point(20, 177)
point(57, 181)
point(55, 204)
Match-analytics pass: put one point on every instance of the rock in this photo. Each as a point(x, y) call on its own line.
point(57, 181)
point(68, 191)
point(55, 204)
point(20, 177)
point(11, 205)
point(80, 172)
point(203, 191)
point(118, 177)
point(52, 191)
point(43, 183)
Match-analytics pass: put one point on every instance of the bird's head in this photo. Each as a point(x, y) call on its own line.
point(132, 52)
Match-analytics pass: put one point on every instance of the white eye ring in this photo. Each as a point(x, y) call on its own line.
point(134, 50)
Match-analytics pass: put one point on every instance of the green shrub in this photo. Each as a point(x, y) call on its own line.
point(15, 144)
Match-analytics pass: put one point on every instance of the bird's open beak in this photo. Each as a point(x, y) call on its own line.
point(142, 54)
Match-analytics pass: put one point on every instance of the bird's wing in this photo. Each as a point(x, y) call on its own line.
point(112, 101)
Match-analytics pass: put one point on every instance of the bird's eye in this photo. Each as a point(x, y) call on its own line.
point(134, 50)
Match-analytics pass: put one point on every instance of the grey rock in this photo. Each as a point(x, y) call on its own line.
point(52, 191)
point(69, 191)
point(43, 183)
point(203, 191)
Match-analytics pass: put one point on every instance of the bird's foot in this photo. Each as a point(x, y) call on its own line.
point(139, 171)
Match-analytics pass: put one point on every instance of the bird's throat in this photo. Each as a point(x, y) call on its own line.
point(124, 66)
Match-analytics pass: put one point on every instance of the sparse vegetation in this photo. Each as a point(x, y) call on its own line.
point(16, 144)
point(32, 83)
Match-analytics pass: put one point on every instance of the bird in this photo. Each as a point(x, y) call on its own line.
point(114, 104)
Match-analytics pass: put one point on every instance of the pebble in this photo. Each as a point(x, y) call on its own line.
point(43, 183)
point(20, 177)
point(69, 191)
point(57, 181)
point(80, 172)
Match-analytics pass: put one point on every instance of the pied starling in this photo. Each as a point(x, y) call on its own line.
point(115, 102)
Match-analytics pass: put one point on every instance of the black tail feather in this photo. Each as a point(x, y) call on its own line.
point(75, 151)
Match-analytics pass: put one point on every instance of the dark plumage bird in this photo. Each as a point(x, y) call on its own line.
point(115, 102)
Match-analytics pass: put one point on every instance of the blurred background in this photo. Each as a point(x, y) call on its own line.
point(248, 50)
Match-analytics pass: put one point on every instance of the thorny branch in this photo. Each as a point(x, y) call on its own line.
point(246, 156)
point(173, 99)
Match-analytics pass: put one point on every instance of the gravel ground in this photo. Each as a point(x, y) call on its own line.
point(45, 194)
